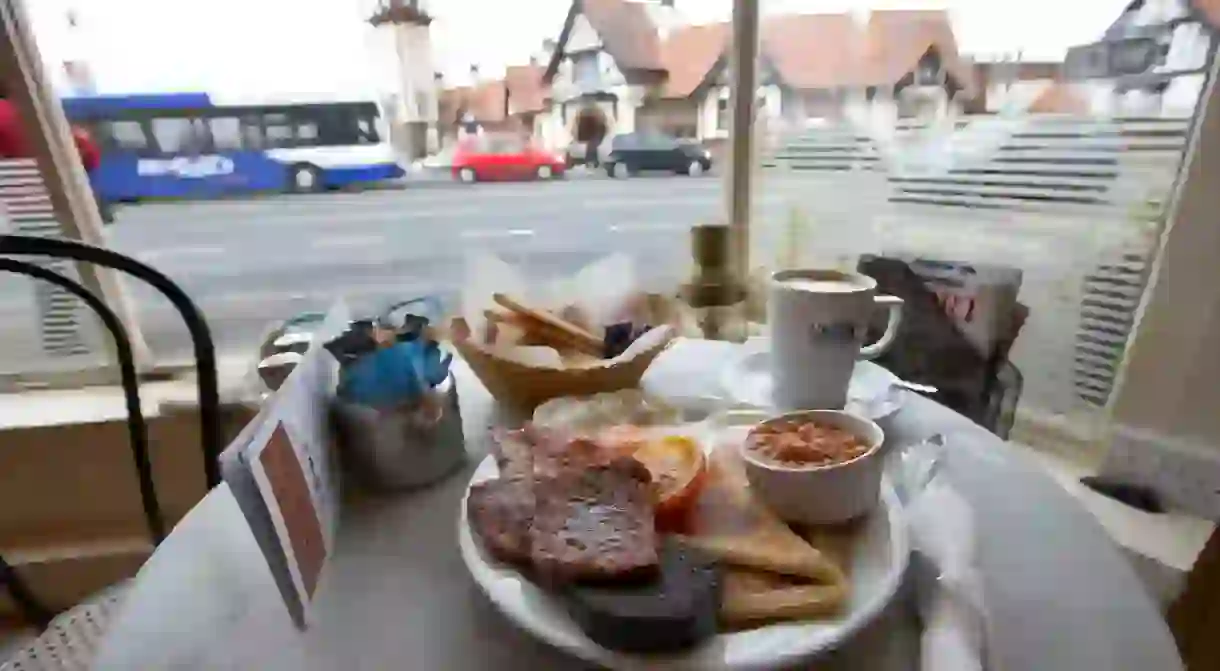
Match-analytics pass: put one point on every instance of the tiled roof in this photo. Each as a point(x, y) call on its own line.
point(898, 39)
point(824, 51)
point(526, 90)
point(400, 12)
point(485, 101)
point(450, 102)
point(689, 54)
point(809, 51)
point(1210, 10)
point(627, 32)
point(815, 51)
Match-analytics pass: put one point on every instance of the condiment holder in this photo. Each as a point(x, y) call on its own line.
point(396, 413)
point(402, 447)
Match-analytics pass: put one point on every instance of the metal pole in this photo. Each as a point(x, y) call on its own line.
point(743, 63)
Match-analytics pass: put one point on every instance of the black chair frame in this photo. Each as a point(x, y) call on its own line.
point(205, 362)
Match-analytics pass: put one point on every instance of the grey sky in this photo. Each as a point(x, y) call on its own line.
point(241, 48)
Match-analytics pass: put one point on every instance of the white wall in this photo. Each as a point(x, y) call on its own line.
point(1182, 95)
point(582, 37)
point(1188, 48)
point(1159, 11)
point(415, 73)
point(878, 115)
point(709, 108)
point(1101, 97)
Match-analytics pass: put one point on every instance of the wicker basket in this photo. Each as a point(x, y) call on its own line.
point(522, 387)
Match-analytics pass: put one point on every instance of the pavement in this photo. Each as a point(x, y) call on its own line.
point(250, 262)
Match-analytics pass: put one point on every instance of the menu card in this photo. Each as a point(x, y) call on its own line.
point(282, 472)
point(980, 299)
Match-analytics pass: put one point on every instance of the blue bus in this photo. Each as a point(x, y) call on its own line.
point(182, 145)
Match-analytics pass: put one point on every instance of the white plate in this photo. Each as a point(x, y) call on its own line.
point(878, 562)
point(746, 379)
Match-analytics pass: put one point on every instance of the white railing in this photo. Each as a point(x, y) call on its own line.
point(1075, 203)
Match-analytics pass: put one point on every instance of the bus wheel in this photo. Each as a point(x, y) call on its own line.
point(304, 178)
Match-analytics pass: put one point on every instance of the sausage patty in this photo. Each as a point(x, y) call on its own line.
point(500, 512)
point(594, 524)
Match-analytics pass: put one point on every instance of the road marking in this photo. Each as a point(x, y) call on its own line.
point(308, 298)
point(647, 227)
point(178, 253)
point(488, 234)
point(347, 241)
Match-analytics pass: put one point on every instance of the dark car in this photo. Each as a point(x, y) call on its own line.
point(635, 152)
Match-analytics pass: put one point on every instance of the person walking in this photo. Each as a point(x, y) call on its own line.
point(13, 144)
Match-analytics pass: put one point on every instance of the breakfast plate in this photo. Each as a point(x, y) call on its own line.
point(878, 561)
point(873, 393)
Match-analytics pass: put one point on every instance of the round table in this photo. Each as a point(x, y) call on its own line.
point(397, 595)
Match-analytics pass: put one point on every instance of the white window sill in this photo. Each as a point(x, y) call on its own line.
point(1163, 547)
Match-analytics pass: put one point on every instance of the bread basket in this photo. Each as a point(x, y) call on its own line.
point(523, 387)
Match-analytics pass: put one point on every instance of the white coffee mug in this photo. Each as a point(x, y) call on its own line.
point(818, 321)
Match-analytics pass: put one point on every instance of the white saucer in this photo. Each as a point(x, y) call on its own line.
point(872, 393)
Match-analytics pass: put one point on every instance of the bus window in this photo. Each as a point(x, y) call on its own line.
point(226, 134)
point(252, 133)
point(127, 136)
point(307, 131)
point(180, 135)
point(279, 130)
point(367, 130)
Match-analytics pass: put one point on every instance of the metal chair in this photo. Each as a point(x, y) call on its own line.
point(63, 636)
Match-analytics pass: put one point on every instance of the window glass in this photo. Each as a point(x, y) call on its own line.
point(172, 134)
point(181, 135)
point(366, 130)
point(128, 136)
point(252, 133)
point(504, 144)
point(585, 72)
point(226, 134)
point(278, 130)
point(627, 141)
point(307, 131)
point(658, 142)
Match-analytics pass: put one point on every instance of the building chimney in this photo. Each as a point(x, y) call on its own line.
point(533, 60)
point(474, 72)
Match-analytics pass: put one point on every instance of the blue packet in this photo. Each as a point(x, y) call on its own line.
point(395, 375)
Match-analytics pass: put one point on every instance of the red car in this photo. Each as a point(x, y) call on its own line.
point(496, 157)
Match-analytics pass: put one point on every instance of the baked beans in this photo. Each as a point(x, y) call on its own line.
point(799, 442)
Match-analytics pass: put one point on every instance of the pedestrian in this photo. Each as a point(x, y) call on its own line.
point(13, 144)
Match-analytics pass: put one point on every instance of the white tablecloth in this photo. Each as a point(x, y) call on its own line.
point(397, 596)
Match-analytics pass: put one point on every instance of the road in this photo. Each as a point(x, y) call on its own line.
point(252, 261)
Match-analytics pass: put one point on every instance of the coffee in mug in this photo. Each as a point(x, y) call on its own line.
point(818, 321)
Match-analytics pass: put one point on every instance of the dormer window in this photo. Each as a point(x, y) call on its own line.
point(584, 69)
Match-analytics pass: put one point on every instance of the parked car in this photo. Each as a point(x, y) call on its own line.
point(496, 157)
point(635, 152)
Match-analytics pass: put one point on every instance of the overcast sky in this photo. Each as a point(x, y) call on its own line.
point(260, 48)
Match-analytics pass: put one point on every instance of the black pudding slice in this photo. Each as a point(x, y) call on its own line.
point(676, 610)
